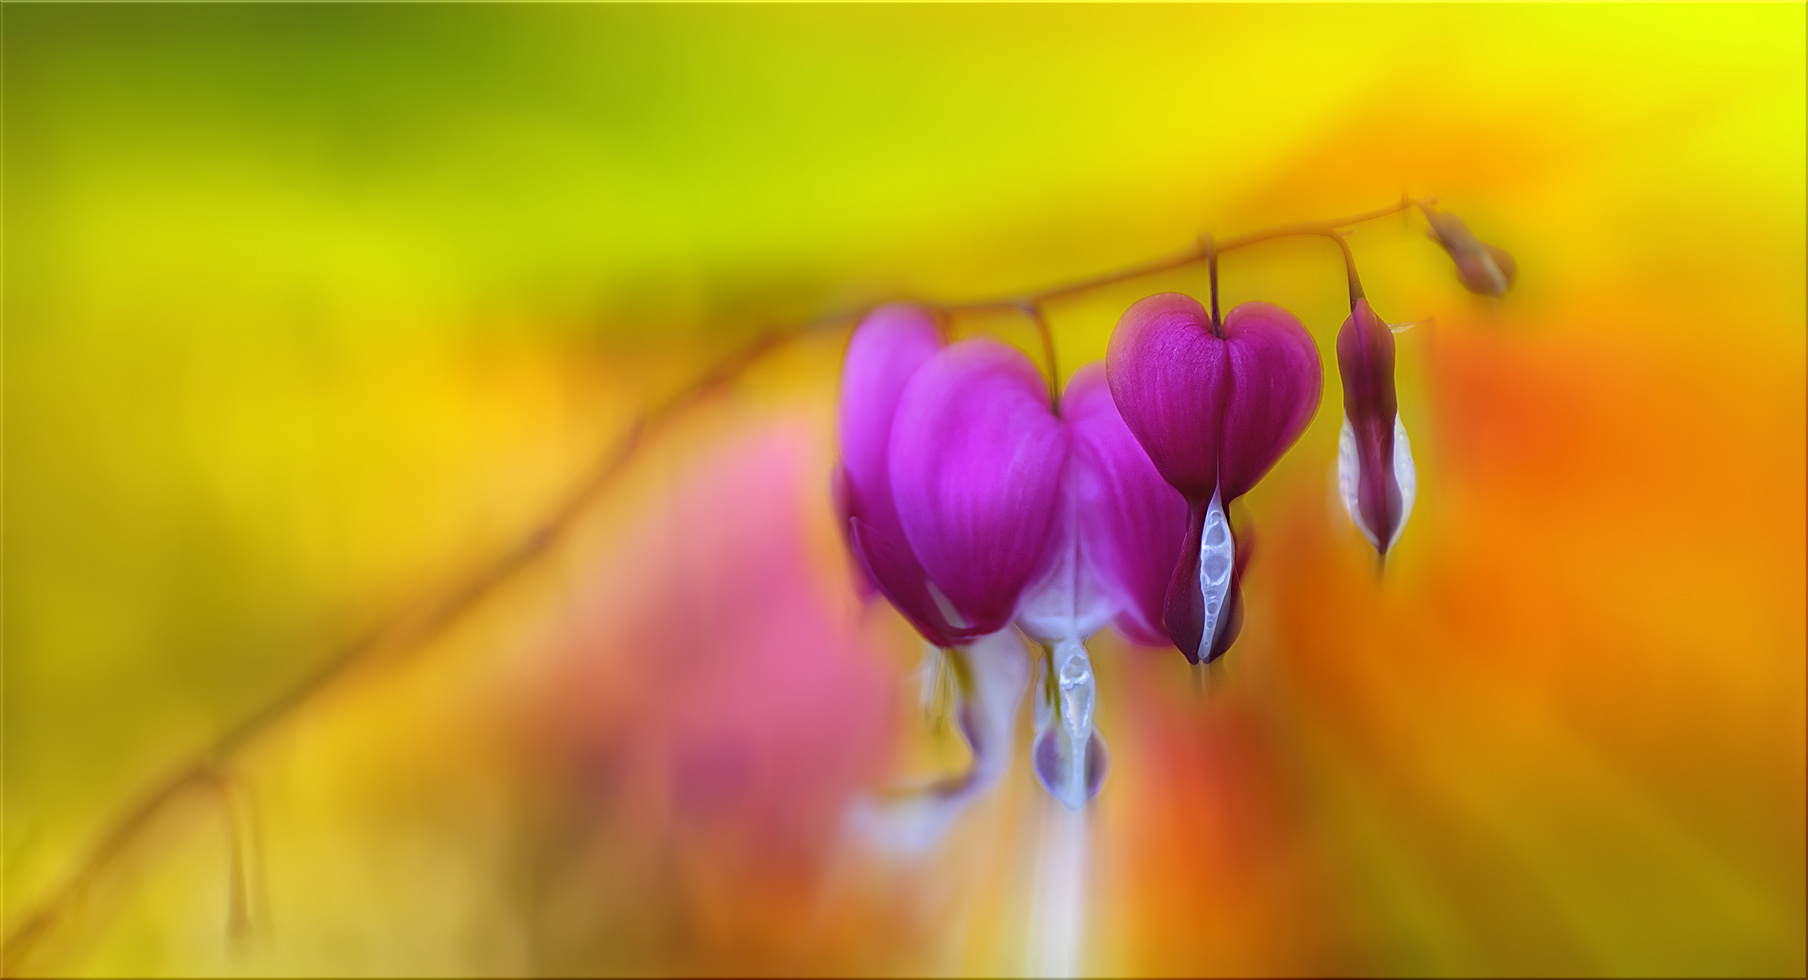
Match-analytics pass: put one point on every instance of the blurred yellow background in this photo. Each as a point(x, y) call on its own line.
point(311, 310)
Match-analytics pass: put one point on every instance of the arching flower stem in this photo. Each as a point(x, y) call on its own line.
point(1206, 250)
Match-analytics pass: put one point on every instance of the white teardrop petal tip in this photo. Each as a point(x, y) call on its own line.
point(1217, 556)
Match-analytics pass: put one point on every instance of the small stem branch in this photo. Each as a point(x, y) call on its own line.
point(1211, 266)
point(1206, 250)
point(1316, 227)
point(1349, 267)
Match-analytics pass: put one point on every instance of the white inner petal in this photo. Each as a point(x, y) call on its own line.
point(1217, 555)
point(1349, 477)
point(1079, 692)
point(997, 672)
point(1069, 599)
point(1404, 475)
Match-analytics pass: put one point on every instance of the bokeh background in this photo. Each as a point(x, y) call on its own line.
point(311, 311)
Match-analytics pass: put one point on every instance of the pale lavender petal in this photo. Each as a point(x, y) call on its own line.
point(1068, 755)
point(976, 457)
point(1168, 376)
point(1275, 383)
point(1134, 522)
point(1406, 477)
point(1067, 773)
point(1066, 596)
point(993, 675)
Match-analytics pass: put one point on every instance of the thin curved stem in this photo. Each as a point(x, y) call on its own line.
point(1206, 250)
point(1349, 267)
point(1211, 265)
point(406, 633)
point(1034, 312)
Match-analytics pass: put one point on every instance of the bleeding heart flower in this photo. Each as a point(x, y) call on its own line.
point(1214, 413)
point(884, 352)
point(1116, 533)
point(951, 457)
point(1375, 473)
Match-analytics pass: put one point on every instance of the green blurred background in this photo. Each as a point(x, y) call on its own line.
point(309, 309)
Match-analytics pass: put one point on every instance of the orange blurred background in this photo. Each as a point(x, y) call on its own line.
point(311, 311)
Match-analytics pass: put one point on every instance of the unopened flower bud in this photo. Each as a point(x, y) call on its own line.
point(1375, 472)
point(1484, 269)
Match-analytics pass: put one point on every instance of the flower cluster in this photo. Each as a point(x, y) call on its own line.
point(974, 503)
point(970, 503)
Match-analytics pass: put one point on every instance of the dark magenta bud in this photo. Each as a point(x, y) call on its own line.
point(1375, 473)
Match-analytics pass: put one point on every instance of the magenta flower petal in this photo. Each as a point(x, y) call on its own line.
point(884, 351)
point(1275, 382)
point(895, 570)
point(976, 457)
point(1375, 466)
point(1168, 376)
point(1134, 521)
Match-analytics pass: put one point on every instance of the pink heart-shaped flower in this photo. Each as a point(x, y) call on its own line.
point(1214, 413)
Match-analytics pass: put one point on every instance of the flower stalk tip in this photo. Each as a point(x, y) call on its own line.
point(1486, 270)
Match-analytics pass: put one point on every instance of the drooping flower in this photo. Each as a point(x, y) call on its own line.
point(1375, 474)
point(1116, 533)
point(1214, 413)
point(970, 504)
point(951, 463)
point(883, 354)
point(1485, 269)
